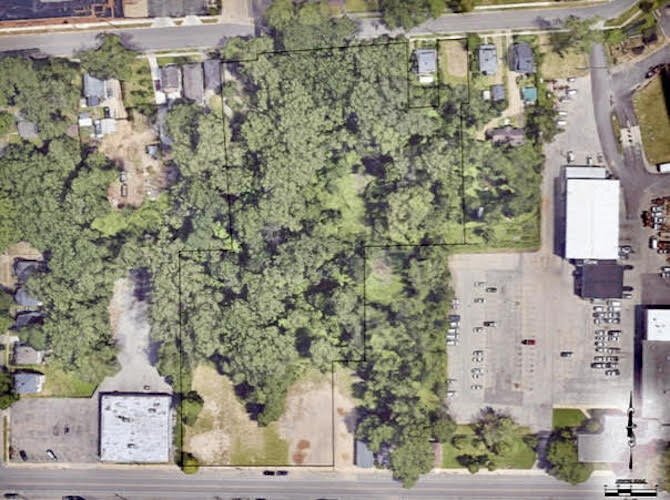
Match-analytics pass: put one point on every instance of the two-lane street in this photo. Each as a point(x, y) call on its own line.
point(151, 483)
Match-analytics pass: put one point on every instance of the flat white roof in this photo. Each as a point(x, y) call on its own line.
point(658, 324)
point(585, 172)
point(592, 219)
point(135, 428)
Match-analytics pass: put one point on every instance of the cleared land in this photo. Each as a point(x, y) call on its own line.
point(652, 113)
point(223, 433)
point(554, 66)
point(453, 62)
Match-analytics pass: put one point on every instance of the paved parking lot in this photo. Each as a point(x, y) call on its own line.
point(67, 426)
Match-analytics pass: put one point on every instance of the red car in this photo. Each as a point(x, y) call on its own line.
point(528, 341)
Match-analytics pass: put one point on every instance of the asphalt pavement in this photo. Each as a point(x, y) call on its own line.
point(147, 483)
point(213, 35)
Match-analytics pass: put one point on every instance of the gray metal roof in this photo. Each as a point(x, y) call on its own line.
point(194, 85)
point(170, 78)
point(507, 135)
point(135, 428)
point(521, 58)
point(24, 268)
point(23, 298)
point(176, 8)
point(488, 59)
point(426, 60)
point(364, 457)
point(26, 355)
point(26, 319)
point(28, 382)
point(93, 87)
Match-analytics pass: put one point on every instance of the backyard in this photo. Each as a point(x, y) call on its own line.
point(652, 113)
point(567, 417)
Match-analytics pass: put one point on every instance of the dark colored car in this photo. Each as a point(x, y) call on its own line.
point(51, 455)
point(282, 473)
point(23, 455)
point(566, 354)
point(268, 473)
point(528, 341)
point(491, 289)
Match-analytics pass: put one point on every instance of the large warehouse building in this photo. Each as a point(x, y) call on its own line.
point(655, 382)
point(592, 219)
point(135, 428)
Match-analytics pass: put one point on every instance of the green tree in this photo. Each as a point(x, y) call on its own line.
point(6, 122)
point(191, 405)
point(7, 395)
point(578, 35)
point(562, 455)
point(664, 467)
point(110, 60)
point(189, 463)
point(409, 13)
point(412, 458)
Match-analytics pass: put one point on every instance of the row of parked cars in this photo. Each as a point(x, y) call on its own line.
point(607, 356)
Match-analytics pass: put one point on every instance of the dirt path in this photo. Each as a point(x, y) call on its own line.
point(129, 319)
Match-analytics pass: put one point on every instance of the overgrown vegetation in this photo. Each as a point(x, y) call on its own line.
point(563, 459)
point(651, 109)
point(110, 60)
point(7, 395)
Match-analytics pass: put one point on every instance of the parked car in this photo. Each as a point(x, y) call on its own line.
point(612, 372)
point(491, 289)
point(477, 329)
point(490, 323)
point(51, 455)
point(282, 473)
point(479, 300)
point(451, 342)
point(566, 354)
point(571, 92)
point(476, 387)
point(528, 341)
point(268, 472)
point(451, 394)
point(599, 343)
point(23, 455)
point(598, 365)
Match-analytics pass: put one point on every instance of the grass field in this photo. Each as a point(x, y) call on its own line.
point(567, 417)
point(520, 455)
point(623, 17)
point(554, 66)
point(452, 62)
point(58, 383)
point(651, 111)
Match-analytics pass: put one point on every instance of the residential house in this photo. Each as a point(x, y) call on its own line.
point(529, 95)
point(488, 59)
point(426, 64)
point(23, 268)
point(28, 382)
point(507, 135)
point(27, 318)
point(23, 298)
point(176, 8)
point(171, 81)
point(26, 355)
point(27, 130)
point(521, 58)
point(85, 120)
point(212, 68)
point(94, 90)
point(363, 455)
point(194, 85)
point(497, 93)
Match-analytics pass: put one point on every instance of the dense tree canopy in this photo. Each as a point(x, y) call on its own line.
point(110, 60)
point(562, 455)
point(409, 13)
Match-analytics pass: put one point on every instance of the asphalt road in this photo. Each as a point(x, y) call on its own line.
point(213, 35)
point(612, 93)
point(143, 483)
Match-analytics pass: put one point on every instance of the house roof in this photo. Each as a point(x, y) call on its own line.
point(426, 60)
point(521, 58)
point(28, 382)
point(498, 92)
point(170, 78)
point(23, 298)
point(193, 82)
point(26, 355)
point(488, 60)
point(176, 8)
point(507, 134)
point(93, 87)
point(27, 318)
point(24, 268)
point(26, 129)
point(529, 94)
point(212, 68)
point(364, 456)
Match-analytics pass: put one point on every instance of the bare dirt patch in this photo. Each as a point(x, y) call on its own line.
point(21, 250)
point(453, 60)
point(127, 148)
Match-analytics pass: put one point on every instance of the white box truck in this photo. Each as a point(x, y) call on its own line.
point(663, 168)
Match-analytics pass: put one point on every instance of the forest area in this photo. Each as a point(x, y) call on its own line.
point(322, 200)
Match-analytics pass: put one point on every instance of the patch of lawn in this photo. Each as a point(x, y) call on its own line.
point(450, 452)
point(452, 62)
point(138, 92)
point(567, 417)
point(519, 456)
point(382, 285)
point(62, 384)
point(651, 111)
point(570, 63)
point(623, 17)
point(273, 452)
point(361, 5)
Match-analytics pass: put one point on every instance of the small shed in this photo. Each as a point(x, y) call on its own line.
point(212, 69)
point(426, 61)
point(85, 120)
point(488, 59)
point(529, 95)
point(194, 85)
point(26, 355)
point(497, 93)
point(364, 456)
point(94, 90)
point(28, 382)
point(521, 58)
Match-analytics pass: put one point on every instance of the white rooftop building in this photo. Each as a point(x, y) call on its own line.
point(658, 324)
point(582, 172)
point(135, 428)
point(592, 219)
